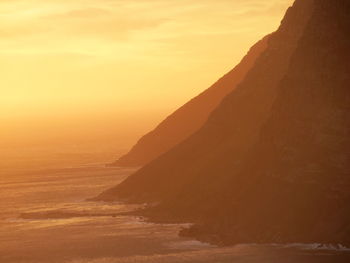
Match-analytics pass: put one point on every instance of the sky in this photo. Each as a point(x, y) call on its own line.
point(121, 65)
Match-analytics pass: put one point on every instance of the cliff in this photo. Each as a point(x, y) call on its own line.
point(294, 186)
point(272, 163)
point(231, 129)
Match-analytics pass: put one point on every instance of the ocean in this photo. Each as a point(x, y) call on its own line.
point(45, 217)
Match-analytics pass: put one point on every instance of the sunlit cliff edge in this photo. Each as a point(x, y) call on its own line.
point(190, 117)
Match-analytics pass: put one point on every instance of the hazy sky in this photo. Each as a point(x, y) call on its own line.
point(121, 57)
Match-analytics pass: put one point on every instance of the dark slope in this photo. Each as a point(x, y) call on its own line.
point(205, 158)
point(190, 117)
point(295, 184)
point(272, 164)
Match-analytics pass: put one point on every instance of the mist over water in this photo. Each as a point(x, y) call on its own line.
point(45, 218)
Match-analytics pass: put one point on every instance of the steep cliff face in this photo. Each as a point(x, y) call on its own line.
point(272, 163)
point(202, 161)
point(191, 116)
point(294, 186)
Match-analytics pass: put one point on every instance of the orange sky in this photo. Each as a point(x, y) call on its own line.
point(119, 58)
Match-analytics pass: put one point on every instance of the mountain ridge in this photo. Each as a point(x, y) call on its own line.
point(271, 164)
point(245, 110)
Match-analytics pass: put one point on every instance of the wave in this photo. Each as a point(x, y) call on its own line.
point(63, 215)
point(314, 246)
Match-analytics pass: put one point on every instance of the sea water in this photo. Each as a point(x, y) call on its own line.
point(44, 218)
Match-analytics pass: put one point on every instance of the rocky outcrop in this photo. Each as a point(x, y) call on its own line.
point(272, 163)
point(190, 117)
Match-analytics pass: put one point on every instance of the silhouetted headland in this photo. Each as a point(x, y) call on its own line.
point(272, 162)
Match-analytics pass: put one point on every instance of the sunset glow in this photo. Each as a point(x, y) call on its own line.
point(60, 56)
point(126, 64)
point(175, 131)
